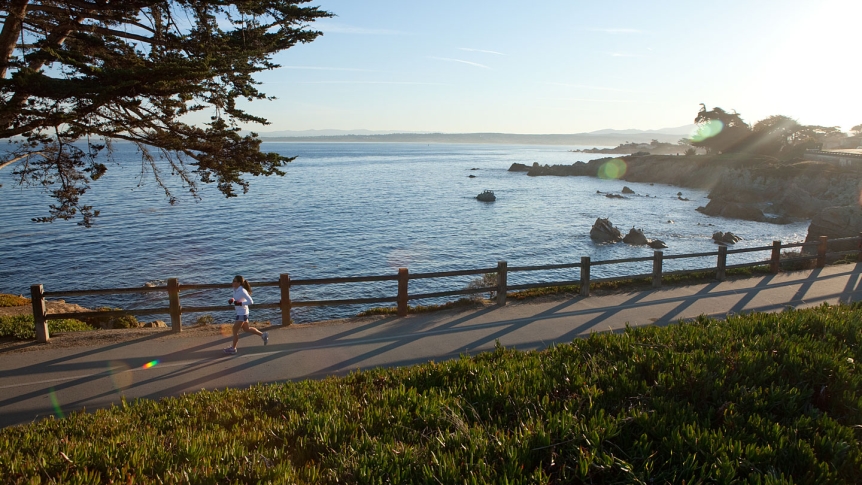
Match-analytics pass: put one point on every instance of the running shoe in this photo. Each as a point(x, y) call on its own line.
point(230, 350)
point(265, 337)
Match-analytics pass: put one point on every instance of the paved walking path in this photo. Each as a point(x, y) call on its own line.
point(56, 381)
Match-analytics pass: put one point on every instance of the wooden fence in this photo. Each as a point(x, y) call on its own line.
point(502, 270)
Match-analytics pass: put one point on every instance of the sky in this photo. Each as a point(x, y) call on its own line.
point(566, 66)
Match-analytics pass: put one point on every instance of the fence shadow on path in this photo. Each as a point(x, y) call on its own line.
point(393, 333)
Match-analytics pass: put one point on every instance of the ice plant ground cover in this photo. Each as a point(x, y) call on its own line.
point(757, 398)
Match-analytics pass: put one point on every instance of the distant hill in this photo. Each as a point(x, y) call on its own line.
point(608, 138)
point(685, 130)
point(314, 133)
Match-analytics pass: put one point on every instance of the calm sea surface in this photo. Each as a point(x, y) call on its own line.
point(352, 210)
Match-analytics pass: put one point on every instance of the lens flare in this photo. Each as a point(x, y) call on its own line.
point(708, 130)
point(612, 169)
point(151, 364)
point(56, 403)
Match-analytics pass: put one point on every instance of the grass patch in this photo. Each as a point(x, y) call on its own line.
point(13, 300)
point(759, 398)
point(22, 327)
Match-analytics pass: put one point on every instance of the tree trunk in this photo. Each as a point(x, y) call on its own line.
point(11, 30)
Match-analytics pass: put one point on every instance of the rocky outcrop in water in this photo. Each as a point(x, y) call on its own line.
point(733, 210)
point(520, 167)
point(605, 232)
point(636, 237)
point(725, 237)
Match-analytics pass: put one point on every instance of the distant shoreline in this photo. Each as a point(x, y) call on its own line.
point(578, 139)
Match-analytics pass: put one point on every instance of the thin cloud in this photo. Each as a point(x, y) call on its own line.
point(598, 88)
point(319, 68)
point(350, 29)
point(618, 31)
point(447, 59)
point(481, 50)
point(409, 83)
point(592, 100)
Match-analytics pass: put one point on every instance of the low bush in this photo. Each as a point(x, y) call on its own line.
point(759, 398)
point(22, 327)
point(110, 322)
point(459, 303)
point(13, 300)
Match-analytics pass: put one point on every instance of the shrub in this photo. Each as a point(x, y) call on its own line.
point(22, 327)
point(485, 281)
point(109, 322)
point(204, 320)
point(13, 300)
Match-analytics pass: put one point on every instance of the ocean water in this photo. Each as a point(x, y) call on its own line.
point(352, 209)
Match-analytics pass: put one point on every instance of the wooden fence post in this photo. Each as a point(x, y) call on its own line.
point(284, 285)
point(859, 256)
point(403, 278)
point(37, 299)
point(175, 309)
point(775, 261)
point(658, 257)
point(585, 276)
point(502, 276)
point(821, 251)
point(721, 265)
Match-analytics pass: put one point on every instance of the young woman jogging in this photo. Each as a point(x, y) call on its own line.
point(241, 300)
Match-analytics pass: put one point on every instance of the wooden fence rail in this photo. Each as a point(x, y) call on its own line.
point(285, 283)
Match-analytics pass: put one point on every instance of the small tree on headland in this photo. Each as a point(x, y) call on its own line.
point(94, 71)
point(719, 131)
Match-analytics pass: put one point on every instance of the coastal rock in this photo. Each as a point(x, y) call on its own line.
point(835, 223)
point(155, 324)
point(799, 203)
point(486, 196)
point(603, 232)
point(627, 190)
point(656, 244)
point(636, 237)
point(575, 169)
point(520, 167)
point(733, 210)
point(614, 196)
point(725, 237)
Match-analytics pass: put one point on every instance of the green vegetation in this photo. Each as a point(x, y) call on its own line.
point(108, 322)
point(760, 398)
point(22, 327)
point(133, 71)
point(13, 300)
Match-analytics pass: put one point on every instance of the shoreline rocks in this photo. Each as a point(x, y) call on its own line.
point(743, 187)
point(835, 223)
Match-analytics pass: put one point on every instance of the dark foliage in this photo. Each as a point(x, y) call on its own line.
point(92, 71)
